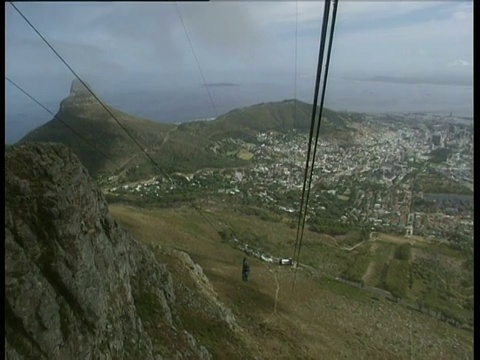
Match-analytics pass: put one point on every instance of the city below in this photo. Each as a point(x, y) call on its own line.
point(412, 175)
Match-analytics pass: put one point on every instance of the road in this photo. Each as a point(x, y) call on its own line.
point(165, 139)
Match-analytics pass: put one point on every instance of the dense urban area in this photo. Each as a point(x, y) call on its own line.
point(413, 175)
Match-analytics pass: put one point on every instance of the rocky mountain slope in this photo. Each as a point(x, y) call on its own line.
point(76, 284)
point(82, 112)
point(186, 147)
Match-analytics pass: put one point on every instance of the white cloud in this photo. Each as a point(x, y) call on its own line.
point(308, 11)
point(414, 48)
point(239, 41)
point(463, 12)
point(461, 15)
point(354, 10)
point(459, 62)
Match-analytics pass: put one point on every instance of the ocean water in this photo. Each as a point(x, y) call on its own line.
point(185, 104)
point(351, 95)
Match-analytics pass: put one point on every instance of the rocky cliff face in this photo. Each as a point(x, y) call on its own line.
point(79, 97)
point(77, 286)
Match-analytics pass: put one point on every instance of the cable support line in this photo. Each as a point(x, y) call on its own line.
point(83, 82)
point(295, 80)
point(59, 118)
point(296, 59)
point(196, 59)
point(110, 113)
point(327, 65)
point(320, 115)
point(312, 121)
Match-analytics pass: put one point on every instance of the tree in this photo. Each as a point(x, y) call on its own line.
point(364, 234)
point(403, 252)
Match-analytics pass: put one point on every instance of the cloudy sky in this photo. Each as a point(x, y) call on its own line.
point(387, 56)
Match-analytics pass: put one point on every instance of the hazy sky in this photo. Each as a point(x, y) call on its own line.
point(423, 48)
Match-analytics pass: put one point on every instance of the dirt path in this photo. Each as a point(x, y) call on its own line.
point(368, 273)
point(330, 237)
point(401, 239)
point(354, 246)
point(165, 139)
point(126, 162)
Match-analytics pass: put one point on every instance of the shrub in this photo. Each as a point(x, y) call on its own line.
point(403, 252)
point(397, 278)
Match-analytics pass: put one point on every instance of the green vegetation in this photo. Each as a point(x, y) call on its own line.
point(445, 288)
point(440, 155)
point(278, 116)
point(184, 148)
point(152, 201)
point(403, 252)
point(440, 184)
point(213, 334)
point(327, 226)
point(396, 280)
point(461, 242)
point(357, 269)
point(352, 292)
point(261, 213)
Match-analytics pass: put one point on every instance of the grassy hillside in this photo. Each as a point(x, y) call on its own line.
point(320, 317)
point(100, 129)
point(279, 116)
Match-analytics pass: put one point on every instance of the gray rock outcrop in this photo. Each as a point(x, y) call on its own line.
point(77, 88)
point(77, 286)
point(79, 97)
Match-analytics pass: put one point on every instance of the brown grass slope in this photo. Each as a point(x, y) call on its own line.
point(320, 318)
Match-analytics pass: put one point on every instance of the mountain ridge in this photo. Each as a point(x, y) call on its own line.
point(183, 147)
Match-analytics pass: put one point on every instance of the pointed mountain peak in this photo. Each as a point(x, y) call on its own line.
point(79, 98)
point(78, 88)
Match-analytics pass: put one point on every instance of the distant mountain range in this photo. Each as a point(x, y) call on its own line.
point(181, 147)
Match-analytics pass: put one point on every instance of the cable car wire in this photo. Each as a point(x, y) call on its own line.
point(327, 65)
point(111, 114)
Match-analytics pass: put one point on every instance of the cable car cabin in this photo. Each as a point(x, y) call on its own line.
point(285, 261)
